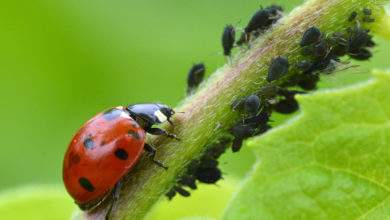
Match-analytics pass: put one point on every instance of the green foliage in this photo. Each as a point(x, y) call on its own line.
point(331, 162)
point(36, 203)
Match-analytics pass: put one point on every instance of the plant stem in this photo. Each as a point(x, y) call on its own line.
point(208, 114)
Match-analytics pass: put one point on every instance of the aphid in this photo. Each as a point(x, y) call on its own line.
point(353, 16)
point(195, 77)
point(288, 104)
point(249, 105)
point(278, 68)
point(260, 22)
point(358, 38)
point(358, 42)
point(107, 147)
point(367, 11)
point(171, 193)
point(228, 38)
point(339, 44)
point(188, 180)
point(361, 54)
point(182, 191)
point(249, 127)
point(305, 66)
point(309, 81)
point(252, 105)
point(208, 175)
point(321, 49)
point(264, 18)
point(311, 36)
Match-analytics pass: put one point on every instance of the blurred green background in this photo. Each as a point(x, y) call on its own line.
point(61, 62)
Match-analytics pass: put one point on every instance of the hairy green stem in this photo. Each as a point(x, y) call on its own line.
point(208, 114)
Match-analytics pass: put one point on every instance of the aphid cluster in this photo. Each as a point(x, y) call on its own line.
point(320, 52)
point(260, 22)
point(203, 170)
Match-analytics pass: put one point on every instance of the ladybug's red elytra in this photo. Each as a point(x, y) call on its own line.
point(107, 147)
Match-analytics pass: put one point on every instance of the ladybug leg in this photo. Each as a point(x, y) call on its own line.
point(115, 196)
point(152, 153)
point(158, 131)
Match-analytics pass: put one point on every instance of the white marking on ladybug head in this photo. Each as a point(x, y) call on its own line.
point(160, 116)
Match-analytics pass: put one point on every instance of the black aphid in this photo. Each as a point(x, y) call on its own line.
point(249, 127)
point(228, 38)
point(171, 193)
point(359, 41)
point(361, 54)
point(208, 175)
point(260, 22)
point(309, 82)
point(311, 36)
point(278, 68)
point(367, 15)
point(288, 104)
point(264, 18)
point(188, 180)
point(250, 105)
point(305, 66)
point(339, 44)
point(353, 16)
point(321, 49)
point(195, 77)
point(367, 11)
point(182, 191)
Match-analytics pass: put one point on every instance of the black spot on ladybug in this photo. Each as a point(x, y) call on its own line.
point(74, 158)
point(112, 114)
point(311, 36)
point(86, 184)
point(195, 77)
point(88, 143)
point(134, 134)
point(353, 16)
point(228, 38)
point(278, 68)
point(121, 154)
point(134, 123)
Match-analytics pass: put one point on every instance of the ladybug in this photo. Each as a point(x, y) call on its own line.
point(107, 147)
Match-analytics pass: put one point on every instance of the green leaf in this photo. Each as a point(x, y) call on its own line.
point(330, 162)
point(36, 202)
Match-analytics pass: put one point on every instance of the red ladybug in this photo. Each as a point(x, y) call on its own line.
point(107, 147)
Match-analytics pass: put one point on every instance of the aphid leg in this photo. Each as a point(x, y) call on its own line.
point(115, 196)
point(159, 131)
point(152, 153)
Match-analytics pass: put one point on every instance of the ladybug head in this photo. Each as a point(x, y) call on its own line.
point(149, 114)
point(166, 111)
